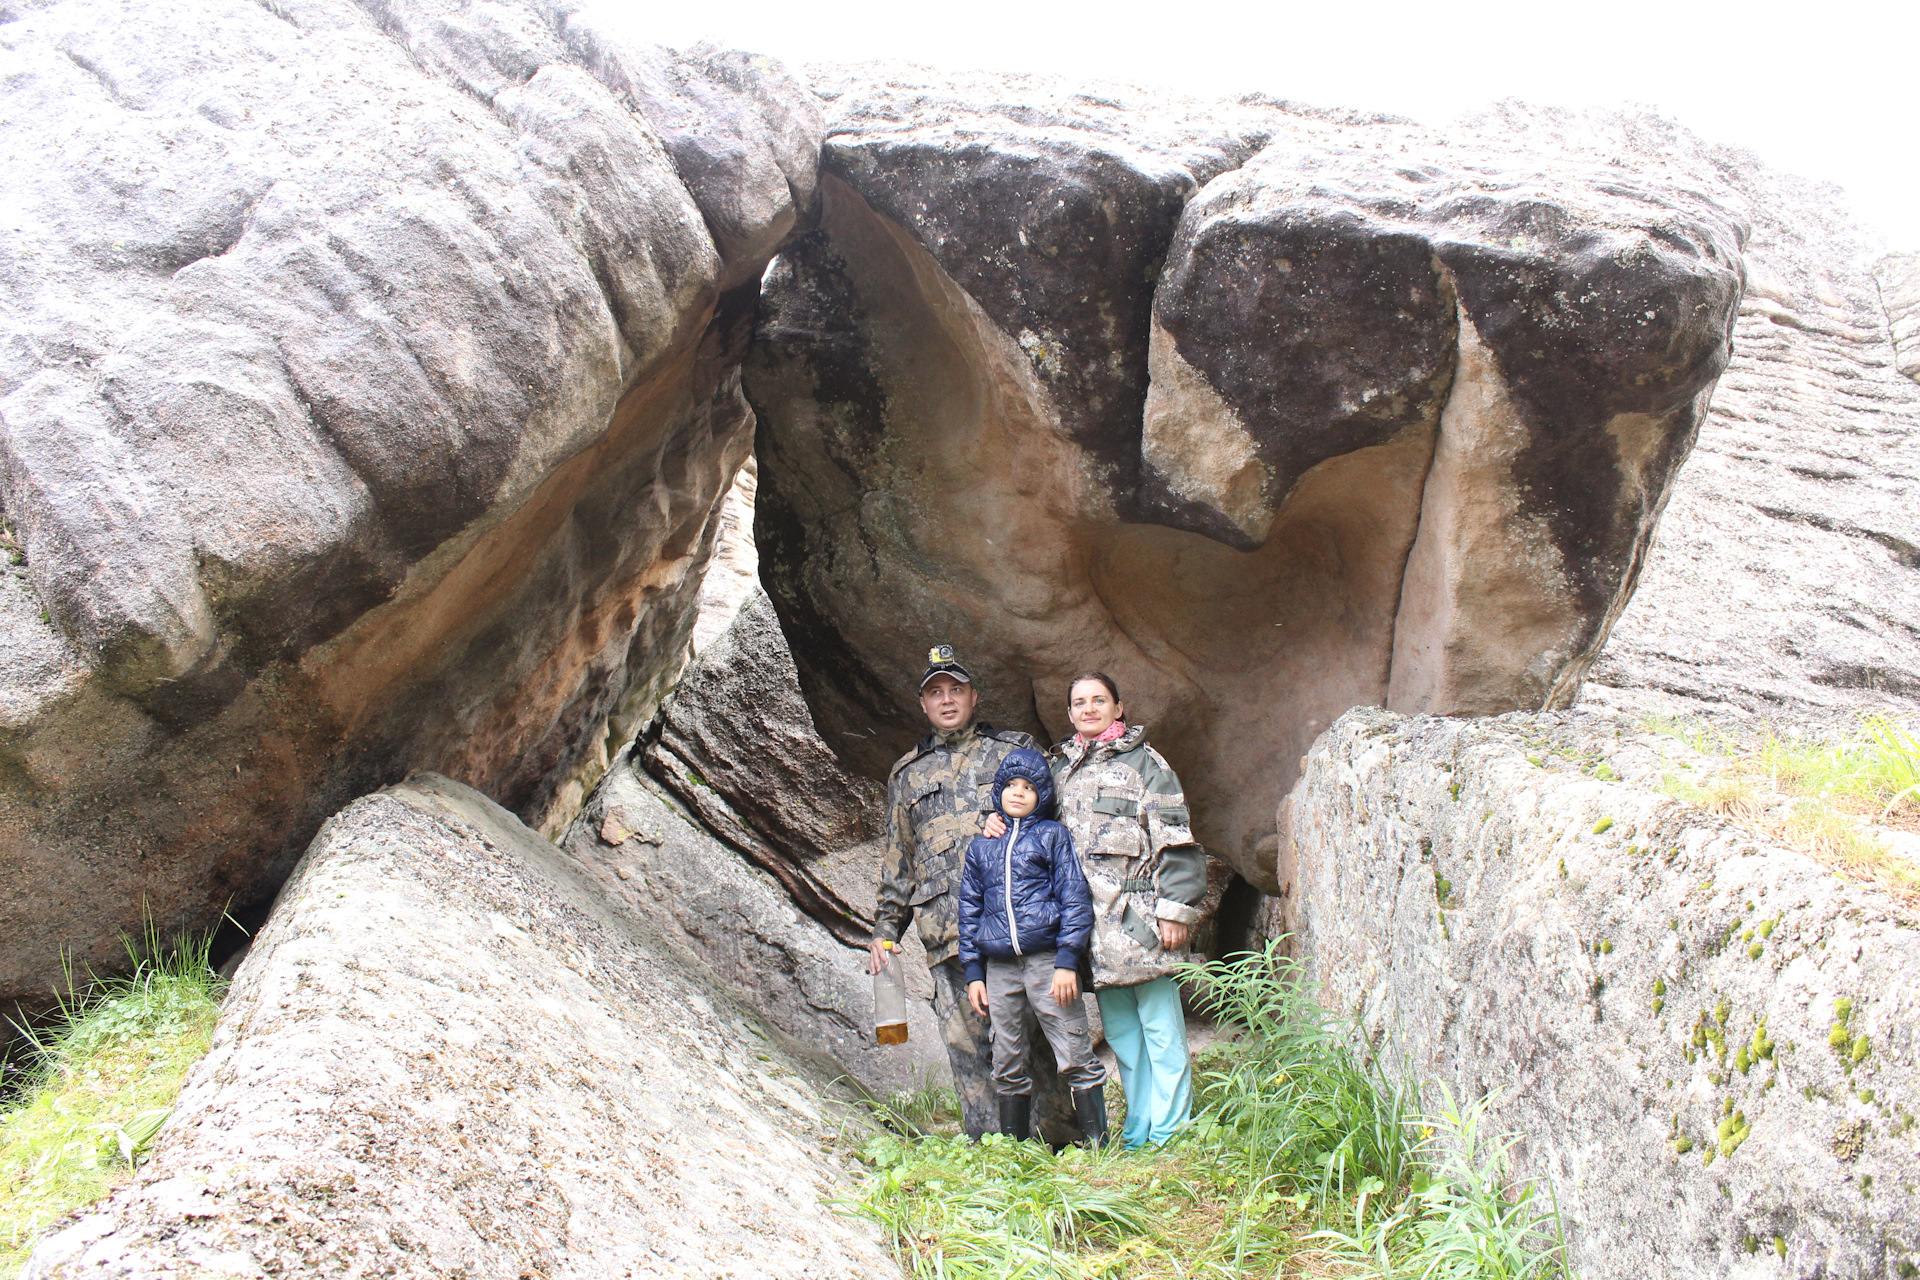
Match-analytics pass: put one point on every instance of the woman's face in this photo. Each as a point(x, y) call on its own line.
point(1093, 708)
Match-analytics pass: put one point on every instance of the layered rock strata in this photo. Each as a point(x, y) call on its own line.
point(1266, 412)
point(1707, 1042)
point(449, 1053)
point(369, 396)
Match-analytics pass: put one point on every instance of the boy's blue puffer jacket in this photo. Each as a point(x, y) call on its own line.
point(1024, 893)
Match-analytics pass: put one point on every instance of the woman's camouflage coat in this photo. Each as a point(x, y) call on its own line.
point(1128, 816)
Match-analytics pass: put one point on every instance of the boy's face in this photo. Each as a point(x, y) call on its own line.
point(1018, 797)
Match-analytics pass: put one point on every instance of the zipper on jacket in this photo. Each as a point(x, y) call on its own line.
point(1006, 884)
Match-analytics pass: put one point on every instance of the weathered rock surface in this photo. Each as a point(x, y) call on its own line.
point(1707, 1042)
point(1267, 412)
point(654, 859)
point(1785, 578)
point(369, 389)
point(450, 1052)
point(1898, 278)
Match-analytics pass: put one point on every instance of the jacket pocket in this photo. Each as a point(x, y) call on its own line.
point(1116, 806)
point(1137, 927)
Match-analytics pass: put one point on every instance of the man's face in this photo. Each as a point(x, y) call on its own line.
point(948, 703)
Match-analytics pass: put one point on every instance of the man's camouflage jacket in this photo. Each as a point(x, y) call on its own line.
point(937, 796)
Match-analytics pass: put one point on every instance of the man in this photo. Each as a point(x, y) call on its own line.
point(938, 796)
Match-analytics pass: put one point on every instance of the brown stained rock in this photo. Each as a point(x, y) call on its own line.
point(1662, 1005)
point(374, 395)
point(452, 1051)
point(960, 442)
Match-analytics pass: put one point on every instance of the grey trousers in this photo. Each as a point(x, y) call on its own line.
point(970, 1051)
point(1021, 986)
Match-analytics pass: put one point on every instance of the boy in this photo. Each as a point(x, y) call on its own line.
point(1025, 918)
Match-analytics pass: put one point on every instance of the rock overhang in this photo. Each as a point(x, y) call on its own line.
point(1030, 355)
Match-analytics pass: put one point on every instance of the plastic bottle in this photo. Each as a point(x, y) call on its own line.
point(890, 1000)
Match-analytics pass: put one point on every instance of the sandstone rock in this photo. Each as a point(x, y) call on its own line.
point(737, 720)
point(1705, 1041)
point(449, 1053)
point(991, 414)
point(1898, 277)
point(1784, 580)
point(370, 389)
point(754, 932)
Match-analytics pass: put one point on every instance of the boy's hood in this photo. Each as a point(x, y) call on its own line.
point(1025, 762)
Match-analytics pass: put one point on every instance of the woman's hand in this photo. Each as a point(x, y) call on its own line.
point(994, 827)
point(1066, 986)
point(977, 996)
point(1174, 935)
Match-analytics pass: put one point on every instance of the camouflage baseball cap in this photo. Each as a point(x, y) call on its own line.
point(941, 662)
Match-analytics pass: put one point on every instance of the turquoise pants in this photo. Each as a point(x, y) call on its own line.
point(1149, 1036)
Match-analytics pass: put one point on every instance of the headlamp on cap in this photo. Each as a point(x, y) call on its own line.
point(941, 662)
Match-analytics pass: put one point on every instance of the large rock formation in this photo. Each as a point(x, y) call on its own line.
point(1708, 1042)
point(369, 391)
point(451, 1052)
point(1785, 579)
point(1266, 412)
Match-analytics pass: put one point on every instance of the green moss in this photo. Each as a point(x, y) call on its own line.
point(1455, 791)
point(1741, 1062)
point(1722, 1011)
point(1606, 946)
point(1866, 1096)
point(1659, 986)
point(1766, 928)
point(1755, 951)
point(1837, 1037)
point(1861, 1048)
point(1602, 825)
point(1682, 1145)
point(1658, 1005)
point(1673, 924)
point(1732, 1132)
point(1442, 888)
point(1780, 1245)
point(1843, 1008)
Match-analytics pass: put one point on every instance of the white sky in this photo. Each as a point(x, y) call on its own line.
point(1825, 88)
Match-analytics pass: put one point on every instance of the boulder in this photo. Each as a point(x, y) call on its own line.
point(369, 396)
point(758, 928)
point(450, 1052)
point(1267, 412)
point(1707, 1042)
point(1784, 580)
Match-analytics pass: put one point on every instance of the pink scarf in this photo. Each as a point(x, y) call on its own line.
point(1111, 732)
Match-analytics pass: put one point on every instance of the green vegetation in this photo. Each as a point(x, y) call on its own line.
point(1832, 788)
point(1305, 1158)
point(104, 1081)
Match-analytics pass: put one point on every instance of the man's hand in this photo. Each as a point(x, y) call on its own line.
point(977, 997)
point(877, 955)
point(1066, 986)
point(1174, 935)
point(994, 827)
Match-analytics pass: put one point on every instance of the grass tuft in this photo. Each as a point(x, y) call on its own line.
point(1304, 1159)
point(104, 1082)
point(1820, 796)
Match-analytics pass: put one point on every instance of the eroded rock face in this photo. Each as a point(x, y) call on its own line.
point(1706, 1041)
point(370, 391)
point(1266, 413)
point(450, 1053)
point(1898, 278)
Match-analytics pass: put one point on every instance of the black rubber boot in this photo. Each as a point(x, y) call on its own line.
point(1016, 1115)
point(1090, 1109)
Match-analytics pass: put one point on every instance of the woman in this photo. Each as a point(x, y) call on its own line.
point(1128, 817)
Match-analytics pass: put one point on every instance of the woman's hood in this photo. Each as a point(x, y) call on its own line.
point(1025, 762)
